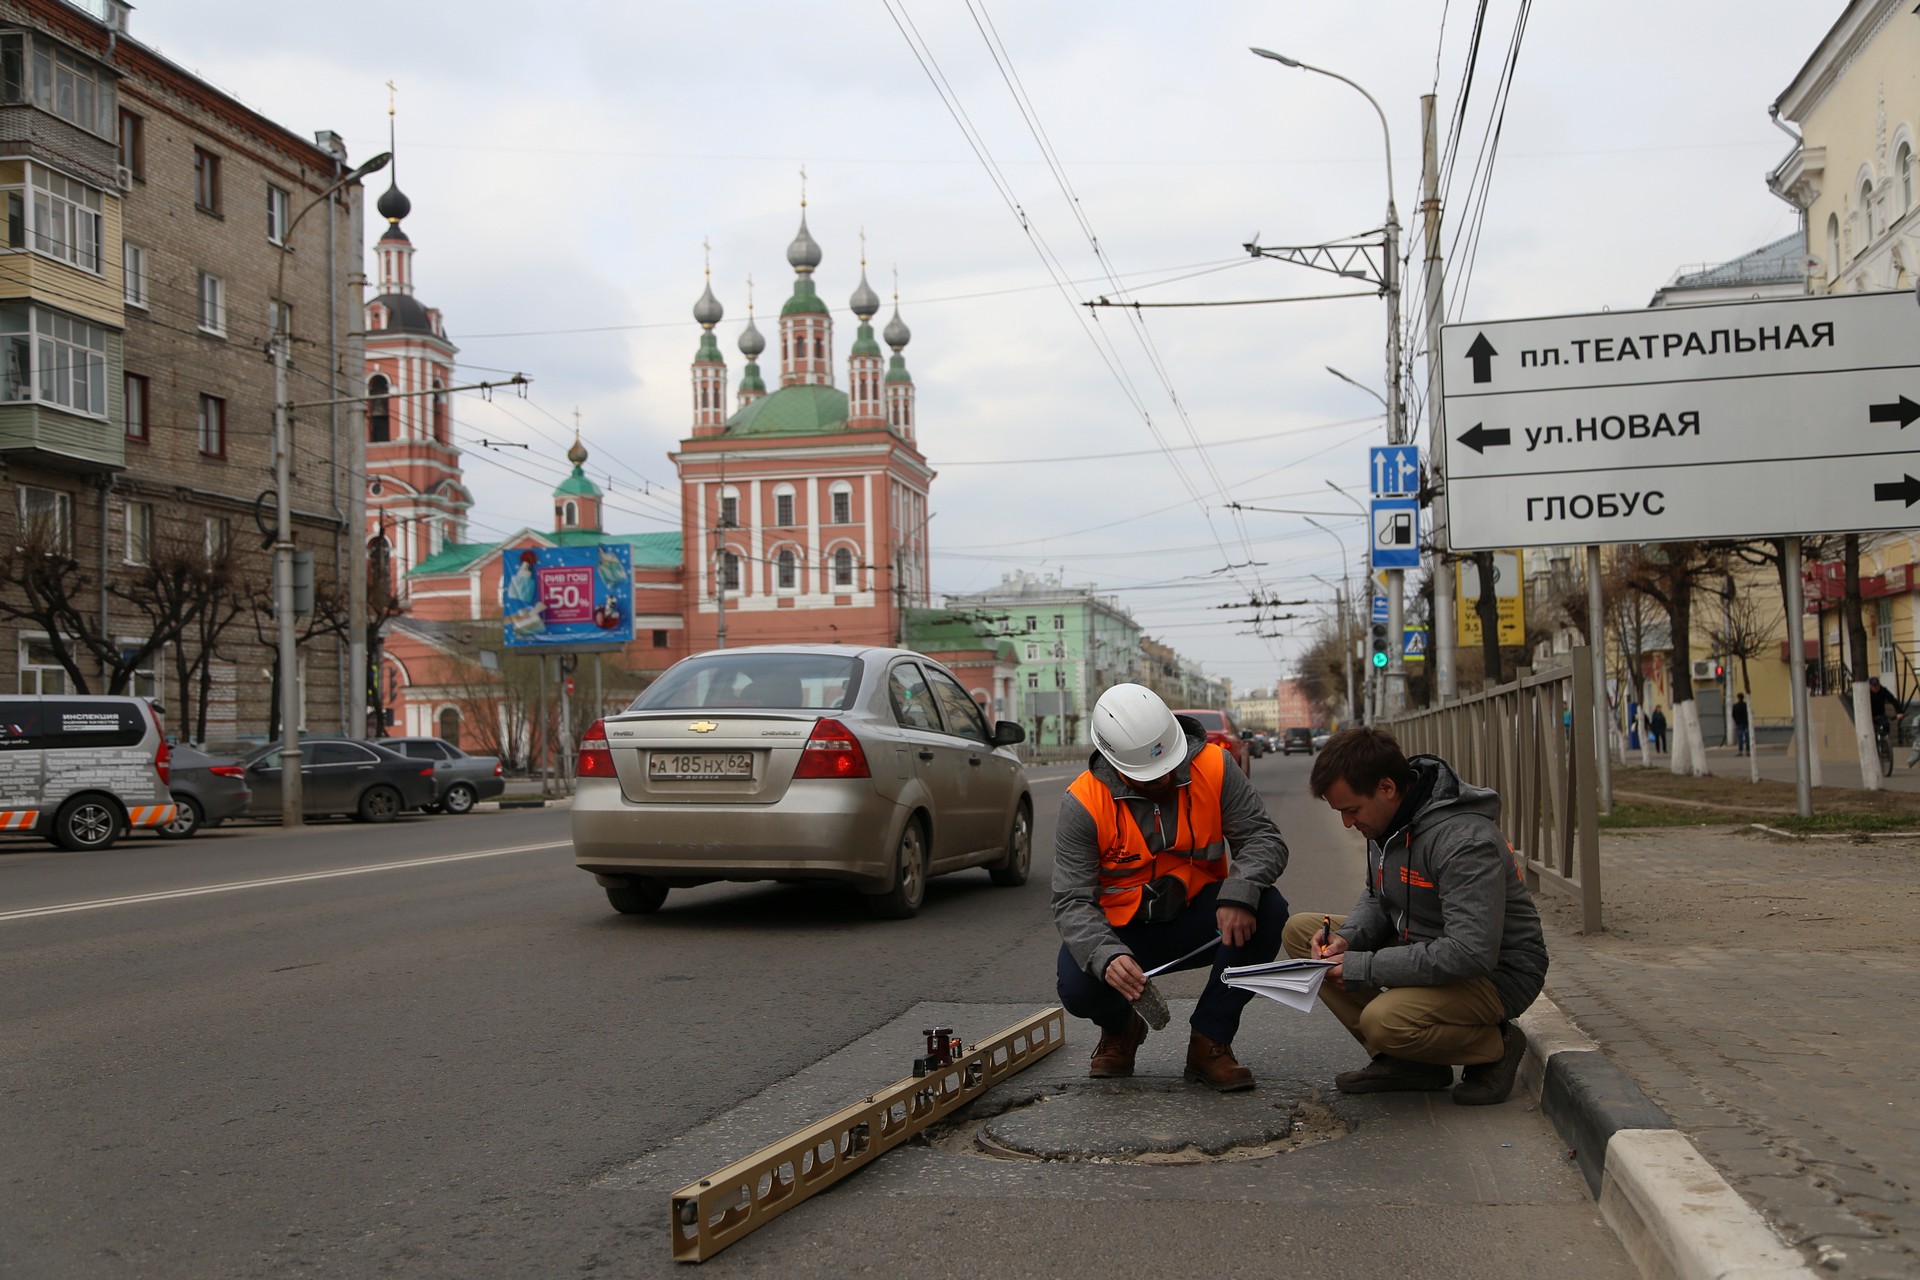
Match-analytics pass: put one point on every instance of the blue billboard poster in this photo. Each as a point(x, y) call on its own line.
point(557, 596)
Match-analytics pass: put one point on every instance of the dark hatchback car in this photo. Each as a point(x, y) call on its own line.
point(366, 782)
point(460, 781)
point(207, 790)
point(1297, 740)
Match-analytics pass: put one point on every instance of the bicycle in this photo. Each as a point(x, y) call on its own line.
point(1882, 743)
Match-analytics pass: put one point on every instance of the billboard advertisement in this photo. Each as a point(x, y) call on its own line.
point(557, 596)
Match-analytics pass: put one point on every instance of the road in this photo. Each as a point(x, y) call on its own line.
point(431, 1050)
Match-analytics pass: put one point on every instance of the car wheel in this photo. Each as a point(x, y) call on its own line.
point(902, 902)
point(87, 823)
point(186, 819)
point(379, 804)
point(1013, 872)
point(641, 897)
point(460, 798)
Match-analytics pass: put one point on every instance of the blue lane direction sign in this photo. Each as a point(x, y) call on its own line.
point(1395, 543)
point(1379, 609)
point(1394, 471)
point(1414, 644)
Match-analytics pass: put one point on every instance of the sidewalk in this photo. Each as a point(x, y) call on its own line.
point(1766, 993)
point(1776, 765)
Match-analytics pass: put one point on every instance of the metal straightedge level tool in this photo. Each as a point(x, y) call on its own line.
point(708, 1215)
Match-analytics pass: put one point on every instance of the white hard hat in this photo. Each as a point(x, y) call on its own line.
point(1137, 734)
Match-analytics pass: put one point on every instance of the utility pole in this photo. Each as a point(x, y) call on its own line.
point(1396, 682)
point(1446, 627)
point(291, 811)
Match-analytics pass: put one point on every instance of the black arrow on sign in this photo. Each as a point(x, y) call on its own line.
point(1903, 412)
point(1480, 437)
point(1908, 489)
point(1482, 354)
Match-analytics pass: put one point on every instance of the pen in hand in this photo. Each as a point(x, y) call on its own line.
point(1326, 931)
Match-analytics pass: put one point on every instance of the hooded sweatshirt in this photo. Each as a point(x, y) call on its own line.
point(1256, 852)
point(1444, 899)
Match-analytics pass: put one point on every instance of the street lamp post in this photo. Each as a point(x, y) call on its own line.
point(1396, 426)
point(1346, 643)
point(290, 780)
point(1352, 706)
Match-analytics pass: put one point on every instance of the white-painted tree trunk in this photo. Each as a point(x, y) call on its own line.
point(1863, 736)
point(1753, 739)
point(1689, 747)
point(1646, 739)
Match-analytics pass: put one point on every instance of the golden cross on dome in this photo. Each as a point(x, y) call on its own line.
point(391, 90)
point(749, 295)
point(707, 250)
point(863, 248)
point(803, 186)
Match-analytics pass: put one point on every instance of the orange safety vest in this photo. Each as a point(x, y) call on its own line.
point(1196, 853)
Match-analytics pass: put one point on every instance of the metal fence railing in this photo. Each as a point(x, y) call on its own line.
point(1533, 742)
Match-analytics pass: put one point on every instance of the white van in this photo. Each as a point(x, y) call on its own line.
point(80, 770)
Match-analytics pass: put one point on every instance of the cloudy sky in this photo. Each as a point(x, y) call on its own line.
point(565, 164)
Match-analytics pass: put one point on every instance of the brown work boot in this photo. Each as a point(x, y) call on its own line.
point(1485, 1083)
point(1212, 1064)
point(1388, 1074)
point(1113, 1056)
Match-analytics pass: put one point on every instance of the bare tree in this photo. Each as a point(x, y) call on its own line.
point(1669, 573)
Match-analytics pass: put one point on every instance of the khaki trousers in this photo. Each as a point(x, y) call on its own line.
point(1457, 1024)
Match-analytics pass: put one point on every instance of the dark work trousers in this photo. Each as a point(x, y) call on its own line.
point(1217, 1015)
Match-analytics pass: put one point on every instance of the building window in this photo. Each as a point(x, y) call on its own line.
point(1903, 169)
point(787, 569)
point(783, 510)
point(1033, 652)
point(46, 518)
point(40, 671)
point(1033, 679)
point(570, 515)
point(1866, 213)
point(1059, 622)
point(1033, 623)
point(729, 512)
point(33, 69)
point(440, 412)
point(843, 506)
point(133, 261)
point(219, 538)
point(65, 221)
point(54, 358)
point(133, 145)
point(279, 214)
point(843, 568)
point(1060, 678)
point(379, 425)
point(1833, 245)
point(659, 639)
point(134, 406)
point(729, 571)
point(206, 181)
point(1883, 627)
point(139, 532)
point(213, 304)
point(213, 426)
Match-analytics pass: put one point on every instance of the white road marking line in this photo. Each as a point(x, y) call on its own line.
point(97, 903)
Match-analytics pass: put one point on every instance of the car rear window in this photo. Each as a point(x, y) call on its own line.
point(755, 681)
point(64, 722)
point(1211, 721)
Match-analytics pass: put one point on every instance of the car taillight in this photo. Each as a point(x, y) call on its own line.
point(163, 758)
point(427, 772)
point(496, 769)
point(832, 752)
point(596, 757)
point(227, 770)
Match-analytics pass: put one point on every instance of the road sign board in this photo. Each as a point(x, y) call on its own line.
point(1395, 543)
point(1414, 644)
point(1507, 599)
point(1736, 420)
point(1379, 609)
point(1394, 471)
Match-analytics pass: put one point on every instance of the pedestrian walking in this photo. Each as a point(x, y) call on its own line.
point(1162, 844)
point(1657, 726)
point(1444, 949)
point(1742, 737)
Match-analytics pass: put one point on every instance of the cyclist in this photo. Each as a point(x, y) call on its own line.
point(1884, 707)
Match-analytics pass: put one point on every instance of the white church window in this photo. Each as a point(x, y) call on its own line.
point(843, 503)
point(788, 570)
point(843, 568)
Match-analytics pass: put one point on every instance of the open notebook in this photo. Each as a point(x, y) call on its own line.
point(1293, 983)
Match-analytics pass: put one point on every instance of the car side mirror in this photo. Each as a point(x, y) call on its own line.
point(1008, 732)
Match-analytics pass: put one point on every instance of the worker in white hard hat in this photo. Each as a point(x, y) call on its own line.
point(1161, 844)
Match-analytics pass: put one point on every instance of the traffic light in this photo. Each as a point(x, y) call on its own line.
point(1380, 644)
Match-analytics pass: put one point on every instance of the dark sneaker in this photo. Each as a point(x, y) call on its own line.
point(1113, 1056)
point(1212, 1064)
point(1388, 1074)
point(1487, 1083)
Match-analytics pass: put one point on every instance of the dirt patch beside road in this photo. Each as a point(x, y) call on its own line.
point(1657, 798)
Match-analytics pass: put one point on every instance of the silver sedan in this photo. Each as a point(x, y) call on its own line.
point(870, 767)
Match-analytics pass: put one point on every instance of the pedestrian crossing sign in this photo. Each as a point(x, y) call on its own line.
point(1414, 644)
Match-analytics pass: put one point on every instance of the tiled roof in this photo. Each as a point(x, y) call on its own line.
point(1782, 262)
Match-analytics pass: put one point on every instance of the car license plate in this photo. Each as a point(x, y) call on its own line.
point(699, 764)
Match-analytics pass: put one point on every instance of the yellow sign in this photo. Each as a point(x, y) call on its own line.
point(1507, 595)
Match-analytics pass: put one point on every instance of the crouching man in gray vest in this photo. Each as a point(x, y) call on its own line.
point(1444, 949)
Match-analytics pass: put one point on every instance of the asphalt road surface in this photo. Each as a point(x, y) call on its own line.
point(430, 1049)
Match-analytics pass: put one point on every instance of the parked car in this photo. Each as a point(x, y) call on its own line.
point(1320, 739)
point(1297, 739)
point(460, 781)
point(363, 780)
point(865, 766)
point(1256, 743)
point(1223, 733)
point(207, 790)
point(79, 770)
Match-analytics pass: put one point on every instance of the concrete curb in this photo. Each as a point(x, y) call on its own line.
point(1671, 1210)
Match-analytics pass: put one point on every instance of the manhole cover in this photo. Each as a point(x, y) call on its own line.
point(1148, 1122)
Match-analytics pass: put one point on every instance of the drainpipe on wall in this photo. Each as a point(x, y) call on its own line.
point(106, 621)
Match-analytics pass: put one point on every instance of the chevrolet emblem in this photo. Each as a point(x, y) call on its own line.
point(702, 726)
